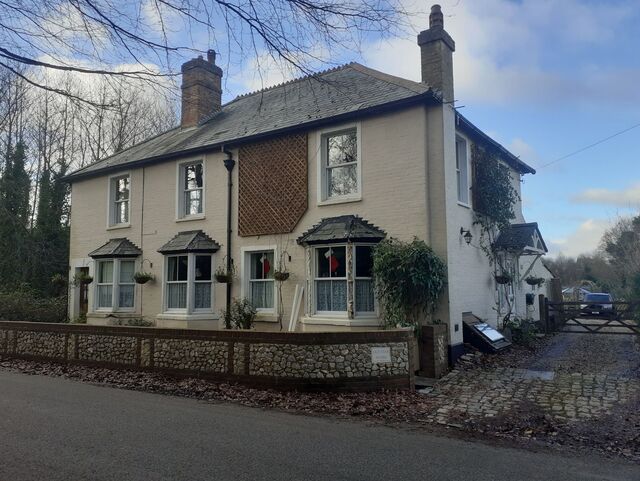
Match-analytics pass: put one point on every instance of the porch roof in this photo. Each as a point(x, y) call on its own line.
point(525, 238)
point(190, 241)
point(121, 247)
point(345, 228)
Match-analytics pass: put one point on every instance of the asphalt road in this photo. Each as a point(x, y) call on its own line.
point(55, 429)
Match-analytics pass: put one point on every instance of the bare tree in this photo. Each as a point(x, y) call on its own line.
point(141, 39)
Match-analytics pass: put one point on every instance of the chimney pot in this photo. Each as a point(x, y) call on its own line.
point(436, 19)
point(211, 56)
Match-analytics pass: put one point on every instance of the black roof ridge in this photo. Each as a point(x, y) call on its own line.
point(292, 81)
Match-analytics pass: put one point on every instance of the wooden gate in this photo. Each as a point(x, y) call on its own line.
point(575, 317)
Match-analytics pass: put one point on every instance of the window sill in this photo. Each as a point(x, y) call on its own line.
point(191, 217)
point(463, 204)
point(118, 226)
point(267, 316)
point(341, 200)
point(337, 321)
point(177, 316)
point(109, 313)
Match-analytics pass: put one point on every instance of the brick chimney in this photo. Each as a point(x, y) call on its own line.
point(201, 89)
point(436, 54)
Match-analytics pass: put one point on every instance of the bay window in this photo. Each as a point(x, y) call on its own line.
point(188, 283)
point(364, 289)
point(115, 287)
point(342, 273)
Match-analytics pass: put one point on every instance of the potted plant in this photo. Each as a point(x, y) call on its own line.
point(241, 314)
point(534, 281)
point(223, 275)
point(142, 277)
point(503, 278)
point(82, 279)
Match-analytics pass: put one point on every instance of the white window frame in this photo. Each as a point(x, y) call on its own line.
point(351, 284)
point(245, 259)
point(191, 282)
point(111, 202)
point(115, 283)
point(364, 314)
point(181, 214)
point(321, 155)
point(463, 173)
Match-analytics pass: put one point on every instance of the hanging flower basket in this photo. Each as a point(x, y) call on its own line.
point(142, 277)
point(223, 276)
point(281, 276)
point(82, 279)
point(535, 281)
point(503, 278)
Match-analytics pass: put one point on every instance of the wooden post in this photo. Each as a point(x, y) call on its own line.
point(544, 313)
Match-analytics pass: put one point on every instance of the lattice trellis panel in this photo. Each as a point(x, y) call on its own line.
point(273, 186)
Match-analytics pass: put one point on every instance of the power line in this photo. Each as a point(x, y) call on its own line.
point(589, 146)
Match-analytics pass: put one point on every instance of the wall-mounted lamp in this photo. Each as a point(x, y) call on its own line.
point(466, 234)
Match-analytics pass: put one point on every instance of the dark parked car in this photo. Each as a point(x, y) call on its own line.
point(597, 304)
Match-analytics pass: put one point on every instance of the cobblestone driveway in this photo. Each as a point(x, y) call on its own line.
point(575, 377)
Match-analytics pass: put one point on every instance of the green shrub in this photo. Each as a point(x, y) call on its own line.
point(241, 314)
point(134, 322)
point(409, 279)
point(27, 305)
point(523, 331)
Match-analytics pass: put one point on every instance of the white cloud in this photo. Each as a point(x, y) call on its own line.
point(500, 45)
point(629, 197)
point(161, 18)
point(523, 150)
point(583, 240)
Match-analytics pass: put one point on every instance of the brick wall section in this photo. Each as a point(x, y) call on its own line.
point(309, 361)
point(272, 185)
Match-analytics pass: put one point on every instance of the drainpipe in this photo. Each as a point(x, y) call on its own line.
point(229, 164)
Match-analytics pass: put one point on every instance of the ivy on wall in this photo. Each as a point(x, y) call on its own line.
point(409, 279)
point(494, 200)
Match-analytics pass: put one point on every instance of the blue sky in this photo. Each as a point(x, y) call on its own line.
point(543, 77)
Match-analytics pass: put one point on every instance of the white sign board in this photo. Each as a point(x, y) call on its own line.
point(380, 355)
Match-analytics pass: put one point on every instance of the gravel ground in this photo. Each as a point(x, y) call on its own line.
point(614, 355)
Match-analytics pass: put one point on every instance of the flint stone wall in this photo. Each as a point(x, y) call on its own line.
point(330, 360)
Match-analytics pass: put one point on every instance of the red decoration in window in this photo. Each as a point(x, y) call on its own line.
point(333, 261)
point(266, 265)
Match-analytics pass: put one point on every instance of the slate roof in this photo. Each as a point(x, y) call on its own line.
point(190, 241)
point(121, 247)
point(340, 229)
point(518, 237)
point(345, 90)
point(343, 93)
